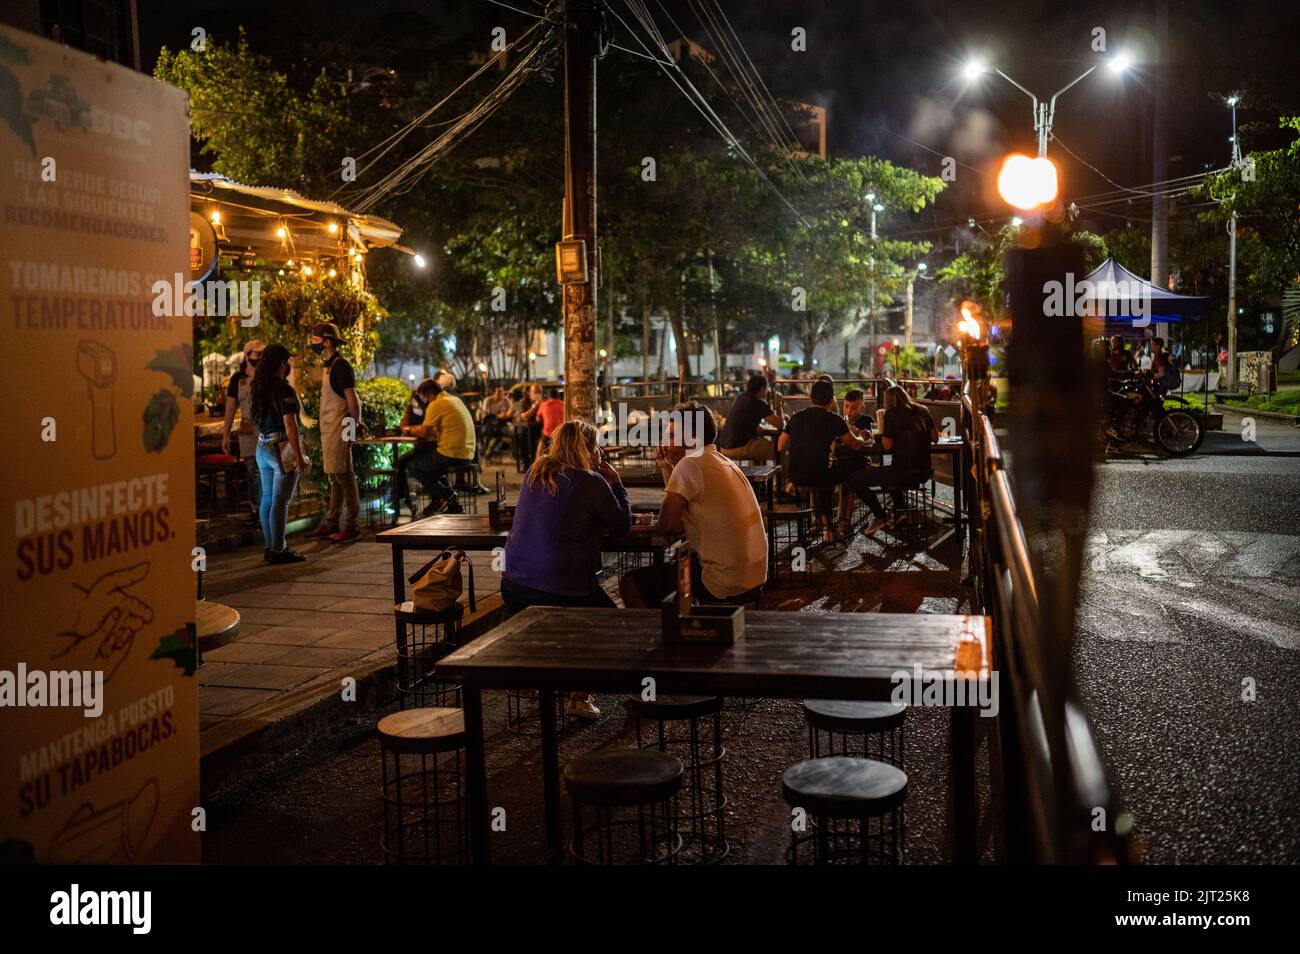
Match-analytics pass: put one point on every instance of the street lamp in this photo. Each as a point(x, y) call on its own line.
point(1045, 113)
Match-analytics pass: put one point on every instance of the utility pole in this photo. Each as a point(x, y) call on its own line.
point(581, 22)
point(1160, 151)
point(1231, 384)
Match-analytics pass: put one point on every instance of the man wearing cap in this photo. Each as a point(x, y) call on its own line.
point(239, 395)
point(338, 406)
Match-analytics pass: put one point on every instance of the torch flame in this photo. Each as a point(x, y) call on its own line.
point(969, 324)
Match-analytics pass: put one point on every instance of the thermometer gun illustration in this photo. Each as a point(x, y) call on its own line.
point(98, 365)
point(110, 836)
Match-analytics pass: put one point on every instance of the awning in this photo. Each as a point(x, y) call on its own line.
point(1122, 298)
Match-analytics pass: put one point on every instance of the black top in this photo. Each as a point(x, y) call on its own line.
point(341, 376)
point(284, 400)
point(865, 422)
point(813, 431)
point(233, 389)
point(909, 429)
point(742, 421)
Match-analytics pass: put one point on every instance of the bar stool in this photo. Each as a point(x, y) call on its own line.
point(852, 810)
point(873, 730)
point(422, 640)
point(789, 528)
point(376, 499)
point(425, 810)
point(823, 502)
point(702, 820)
point(522, 706)
point(602, 784)
point(464, 479)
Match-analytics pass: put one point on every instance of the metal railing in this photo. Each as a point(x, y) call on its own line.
point(1059, 805)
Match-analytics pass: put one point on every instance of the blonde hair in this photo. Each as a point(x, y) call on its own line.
point(573, 444)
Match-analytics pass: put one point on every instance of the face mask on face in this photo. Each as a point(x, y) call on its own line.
point(318, 348)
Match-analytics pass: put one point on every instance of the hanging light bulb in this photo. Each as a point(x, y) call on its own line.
point(306, 270)
point(216, 218)
point(333, 228)
point(280, 233)
point(333, 273)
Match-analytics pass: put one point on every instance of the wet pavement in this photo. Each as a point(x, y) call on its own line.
point(1189, 652)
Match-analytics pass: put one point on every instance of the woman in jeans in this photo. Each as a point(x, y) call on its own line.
point(569, 500)
point(281, 454)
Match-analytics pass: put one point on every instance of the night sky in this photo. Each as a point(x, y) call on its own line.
point(889, 75)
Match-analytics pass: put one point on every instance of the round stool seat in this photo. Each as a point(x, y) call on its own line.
point(427, 730)
point(843, 787)
point(623, 777)
point(451, 614)
point(673, 707)
point(841, 715)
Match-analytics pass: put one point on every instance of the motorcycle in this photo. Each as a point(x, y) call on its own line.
point(1178, 431)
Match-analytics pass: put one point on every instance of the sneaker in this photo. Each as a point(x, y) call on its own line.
point(286, 555)
point(323, 529)
point(581, 707)
point(346, 535)
point(875, 526)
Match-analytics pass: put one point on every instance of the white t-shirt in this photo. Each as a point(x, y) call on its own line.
point(724, 525)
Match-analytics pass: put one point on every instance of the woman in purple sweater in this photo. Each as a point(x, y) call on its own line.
point(569, 500)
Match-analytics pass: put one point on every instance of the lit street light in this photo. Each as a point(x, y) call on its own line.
point(1045, 113)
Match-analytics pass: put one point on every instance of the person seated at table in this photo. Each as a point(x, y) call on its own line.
point(449, 428)
point(550, 411)
point(907, 435)
point(528, 426)
point(413, 416)
point(855, 413)
point(494, 412)
point(570, 499)
point(740, 439)
point(811, 437)
point(707, 497)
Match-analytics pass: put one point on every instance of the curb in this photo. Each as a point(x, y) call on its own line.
point(238, 749)
point(1268, 415)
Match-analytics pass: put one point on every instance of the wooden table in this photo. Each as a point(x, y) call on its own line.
point(780, 655)
point(953, 447)
point(472, 531)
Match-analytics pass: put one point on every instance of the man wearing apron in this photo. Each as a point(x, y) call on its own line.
point(340, 424)
point(239, 397)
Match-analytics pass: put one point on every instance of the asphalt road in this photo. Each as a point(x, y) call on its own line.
point(1189, 652)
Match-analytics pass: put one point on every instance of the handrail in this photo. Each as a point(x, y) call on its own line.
point(1052, 825)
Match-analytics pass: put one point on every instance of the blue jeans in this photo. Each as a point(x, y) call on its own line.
point(277, 491)
point(253, 468)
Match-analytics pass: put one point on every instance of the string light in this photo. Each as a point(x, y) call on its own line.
point(306, 270)
point(333, 228)
point(280, 233)
point(216, 218)
point(333, 273)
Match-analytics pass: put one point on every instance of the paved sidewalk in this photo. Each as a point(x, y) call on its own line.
point(1270, 436)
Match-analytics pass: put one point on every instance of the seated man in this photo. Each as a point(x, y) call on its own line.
point(740, 438)
point(707, 497)
point(493, 414)
point(811, 437)
point(449, 426)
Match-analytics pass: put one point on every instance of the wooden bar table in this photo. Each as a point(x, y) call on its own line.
point(780, 655)
point(472, 531)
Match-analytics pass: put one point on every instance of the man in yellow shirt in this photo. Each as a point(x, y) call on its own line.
point(448, 429)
